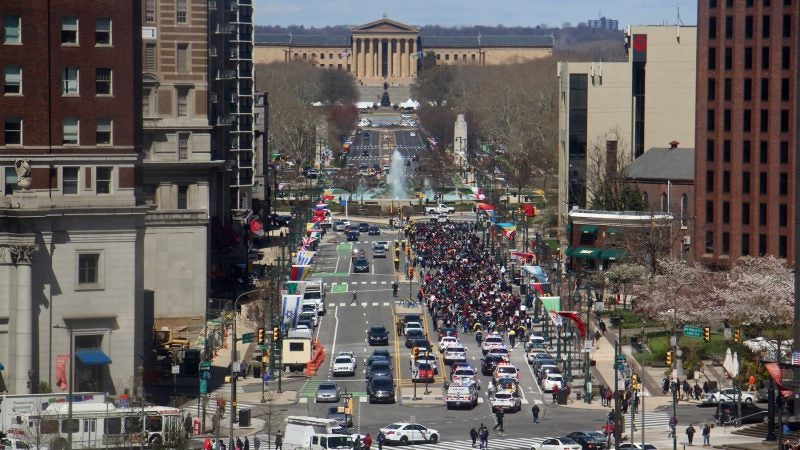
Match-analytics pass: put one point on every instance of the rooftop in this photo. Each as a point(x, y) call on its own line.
point(674, 164)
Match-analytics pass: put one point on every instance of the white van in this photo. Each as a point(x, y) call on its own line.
point(314, 433)
point(461, 394)
point(315, 292)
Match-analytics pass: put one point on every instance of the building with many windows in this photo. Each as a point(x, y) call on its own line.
point(71, 224)
point(603, 23)
point(746, 137)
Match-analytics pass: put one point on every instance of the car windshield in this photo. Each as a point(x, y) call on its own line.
point(456, 349)
point(378, 330)
point(414, 332)
point(327, 387)
point(393, 426)
point(342, 360)
point(493, 340)
point(502, 395)
point(465, 373)
point(380, 365)
point(383, 383)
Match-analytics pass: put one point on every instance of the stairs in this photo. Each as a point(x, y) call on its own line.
point(760, 431)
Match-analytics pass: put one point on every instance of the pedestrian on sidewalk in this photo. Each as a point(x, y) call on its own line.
point(602, 326)
point(597, 337)
point(187, 425)
point(239, 444)
point(665, 386)
point(673, 424)
point(367, 442)
point(246, 443)
point(697, 391)
point(751, 383)
point(555, 394)
point(706, 435)
point(473, 435)
point(687, 390)
point(690, 434)
point(535, 412)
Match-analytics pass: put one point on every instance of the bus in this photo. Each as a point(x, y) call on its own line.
point(96, 425)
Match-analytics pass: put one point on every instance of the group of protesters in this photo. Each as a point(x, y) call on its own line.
point(463, 285)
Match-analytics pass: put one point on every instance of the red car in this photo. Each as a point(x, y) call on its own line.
point(422, 373)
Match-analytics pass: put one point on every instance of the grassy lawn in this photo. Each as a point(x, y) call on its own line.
point(694, 349)
point(630, 319)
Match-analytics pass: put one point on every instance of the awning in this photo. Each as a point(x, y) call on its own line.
point(2, 367)
point(612, 254)
point(92, 357)
point(588, 229)
point(613, 230)
point(585, 253)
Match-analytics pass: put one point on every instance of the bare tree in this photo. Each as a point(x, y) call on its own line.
point(606, 177)
point(337, 87)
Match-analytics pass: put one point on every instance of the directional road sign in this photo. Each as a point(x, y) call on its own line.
point(203, 386)
point(692, 331)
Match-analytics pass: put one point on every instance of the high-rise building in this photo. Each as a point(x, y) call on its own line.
point(71, 223)
point(745, 138)
point(603, 23)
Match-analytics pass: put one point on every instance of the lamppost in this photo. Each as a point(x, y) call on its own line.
point(234, 371)
point(71, 383)
point(587, 381)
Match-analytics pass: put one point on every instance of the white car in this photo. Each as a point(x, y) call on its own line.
point(501, 352)
point(506, 370)
point(385, 244)
point(506, 400)
point(429, 359)
point(455, 353)
point(448, 341)
point(465, 375)
point(413, 326)
point(491, 342)
point(552, 380)
point(561, 443)
point(406, 433)
point(344, 365)
point(640, 446)
point(728, 395)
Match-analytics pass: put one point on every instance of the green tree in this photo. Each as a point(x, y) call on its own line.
point(337, 87)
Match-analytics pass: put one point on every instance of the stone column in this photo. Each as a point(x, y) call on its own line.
point(22, 256)
point(362, 53)
point(395, 52)
point(371, 58)
point(413, 59)
point(354, 66)
point(381, 56)
point(401, 48)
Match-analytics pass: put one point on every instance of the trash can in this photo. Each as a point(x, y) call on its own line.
point(562, 396)
point(244, 417)
point(256, 371)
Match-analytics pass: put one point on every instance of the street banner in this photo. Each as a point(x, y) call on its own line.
point(290, 310)
point(61, 372)
point(550, 303)
point(556, 318)
point(299, 273)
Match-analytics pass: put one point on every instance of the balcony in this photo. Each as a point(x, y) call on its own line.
point(226, 74)
point(225, 120)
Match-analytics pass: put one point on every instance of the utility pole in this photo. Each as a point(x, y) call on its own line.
point(617, 421)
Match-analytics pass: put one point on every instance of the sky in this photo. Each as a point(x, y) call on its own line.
point(319, 13)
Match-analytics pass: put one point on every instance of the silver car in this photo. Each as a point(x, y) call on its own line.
point(327, 391)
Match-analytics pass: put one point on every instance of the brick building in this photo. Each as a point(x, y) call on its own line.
point(746, 134)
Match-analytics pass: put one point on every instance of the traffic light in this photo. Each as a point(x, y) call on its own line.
point(410, 273)
point(736, 335)
point(635, 382)
point(669, 359)
point(707, 334)
point(260, 336)
point(276, 334)
point(415, 352)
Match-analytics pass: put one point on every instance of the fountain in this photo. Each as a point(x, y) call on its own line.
point(399, 180)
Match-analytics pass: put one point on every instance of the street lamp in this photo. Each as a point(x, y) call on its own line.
point(233, 367)
point(587, 382)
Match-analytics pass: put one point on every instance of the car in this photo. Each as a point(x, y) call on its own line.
point(542, 362)
point(535, 341)
point(645, 446)
point(560, 443)
point(380, 389)
point(363, 227)
point(352, 236)
point(506, 400)
point(587, 440)
point(728, 413)
point(465, 374)
point(493, 341)
point(530, 356)
point(305, 322)
point(422, 372)
point(405, 433)
point(344, 365)
point(361, 265)
point(377, 335)
point(379, 367)
point(502, 352)
point(461, 394)
point(378, 252)
point(374, 231)
point(382, 353)
point(489, 363)
point(426, 358)
point(507, 384)
point(327, 391)
point(543, 355)
point(339, 225)
point(414, 336)
point(551, 381)
point(365, 152)
point(412, 326)
point(384, 244)
point(455, 353)
point(727, 395)
point(506, 370)
point(336, 413)
point(447, 341)
point(412, 318)
point(311, 316)
point(281, 221)
point(546, 369)
point(448, 331)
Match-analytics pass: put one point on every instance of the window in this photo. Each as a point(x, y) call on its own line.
point(764, 125)
point(11, 29)
point(786, 57)
point(747, 119)
point(710, 120)
point(765, 58)
point(712, 28)
point(745, 244)
point(183, 145)
point(726, 120)
point(762, 183)
point(726, 212)
point(710, 150)
point(764, 89)
point(745, 182)
point(727, 89)
point(102, 84)
point(726, 181)
point(784, 121)
point(728, 58)
point(765, 25)
point(103, 181)
point(782, 247)
point(150, 59)
point(150, 11)
point(762, 214)
point(783, 183)
point(783, 215)
point(10, 180)
point(710, 181)
point(762, 152)
point(12, 80)
point(709, 241)
point(664, 204)
point(785, 89)
point(70, 425)
point(70, 131)
point(784, 152)
point(102, 31)
point(787, 25)
point(684, 211)
point(726, 238)
point(712, 3)
point(712, 58)
point(183, 102)
point(146, 93)
point(712, 89)
point(748, 27)
point(726, 150)
point(103, 133)
point(69, 30)
point(762, 245)
point(69, 80)
point(748, 57)
point(183, 55)
point(183, 193)
point(180, 17)
point(745, 213)
point(746, 151)
point(13, 131)
point(88, 269)
point(748, 89)
point(710, 211)
point(69, 180)
point(728, 27)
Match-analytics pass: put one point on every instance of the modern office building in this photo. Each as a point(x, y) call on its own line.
point(611, 113)
point(603, 23)
point(71, 221)
point(746, 129)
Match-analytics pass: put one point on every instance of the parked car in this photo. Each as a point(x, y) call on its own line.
point(727, 412)
point(422, 372)
point(640, 446)
point(551, 381)
point(381, 389)
point(374, 231)
point(378, 335)
point(405, 433)
point(560, 443)
point(327, 391)
point(352, 236)
point(587, 440)
point(727, 395)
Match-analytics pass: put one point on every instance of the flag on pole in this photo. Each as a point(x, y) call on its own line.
point(556, 318)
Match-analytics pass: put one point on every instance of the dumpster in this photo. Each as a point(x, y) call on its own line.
point(256, 371)
point(244, 417)
point(562, 396)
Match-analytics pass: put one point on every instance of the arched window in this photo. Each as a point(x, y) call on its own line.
point(664, 205)
point(646, 201)
point(684, 211)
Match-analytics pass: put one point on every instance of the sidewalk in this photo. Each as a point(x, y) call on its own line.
point(720, 438)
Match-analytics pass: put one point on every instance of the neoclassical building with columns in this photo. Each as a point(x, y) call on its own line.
point(389, 51)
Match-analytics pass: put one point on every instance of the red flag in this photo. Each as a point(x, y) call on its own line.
point(61, 372)
point(573, 316)
point(529, 210)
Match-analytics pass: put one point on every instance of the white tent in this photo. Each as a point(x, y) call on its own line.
point(409, 104)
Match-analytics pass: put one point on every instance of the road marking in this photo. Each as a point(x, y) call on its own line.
point(339, 288)
point(333, 345)
point(374, 303)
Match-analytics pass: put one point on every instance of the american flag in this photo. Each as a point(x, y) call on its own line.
point(796, 358)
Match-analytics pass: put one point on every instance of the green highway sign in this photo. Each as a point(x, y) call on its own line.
point(203, 386)
point(692, 331)
point(247, 338)
point(620, 358)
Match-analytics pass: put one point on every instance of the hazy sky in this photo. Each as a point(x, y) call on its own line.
point(472, 12)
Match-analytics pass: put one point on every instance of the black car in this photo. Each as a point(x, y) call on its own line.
point(363, 227)
point(374, 231)
point(727, 413)
point(360, 265)
point(412, 318)
point(382, 353)
point(413, 337)
point(281, 221)
point(489, 363)
point(587, 441)
point(381, 389)
point(352, 236)
point(378, 336)
point(379, 367)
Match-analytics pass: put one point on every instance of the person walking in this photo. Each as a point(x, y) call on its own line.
point(187, 425)
point(673, 424)
point(246, 443)
point(751, 383)
point(239, 444)
point(690, 434)
point(355, 298)
point(498, 415)
point(473, 435)
point(256, 443)
point(279, 440)
point(367, 441)
point(706, 435)
point(535, 412)
point(484, 437)
point(512, 337)
point(381, 438)
point(207, 442)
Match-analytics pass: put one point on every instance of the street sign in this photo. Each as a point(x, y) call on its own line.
point(262, 347)
point(203, 386)
point(692, 331)
point(176, 369)
point(205, 375)
point(346, 396)
point(205, 365)
point(247, 338)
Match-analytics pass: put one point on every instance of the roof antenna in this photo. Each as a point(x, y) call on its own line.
point(680, 21)
point(385, 16)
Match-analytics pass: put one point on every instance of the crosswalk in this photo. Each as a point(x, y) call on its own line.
point(211, 407)
point(362, 304)
point(494, 444)
point(652, 419)
point(362, 283)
